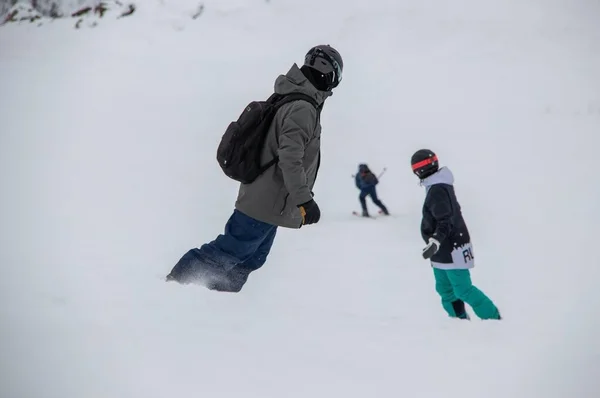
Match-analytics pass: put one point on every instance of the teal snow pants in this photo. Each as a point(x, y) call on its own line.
point(454, 285)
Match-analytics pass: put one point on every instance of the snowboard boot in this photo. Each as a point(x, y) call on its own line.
point(459, 310)
point(365, 213)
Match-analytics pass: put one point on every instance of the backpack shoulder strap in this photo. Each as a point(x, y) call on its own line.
point(287, 98)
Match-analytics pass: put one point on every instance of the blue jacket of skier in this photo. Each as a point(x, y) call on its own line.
point(365, 179)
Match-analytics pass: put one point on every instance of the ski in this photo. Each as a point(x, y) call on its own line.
point(358, 214)
point(379, 214)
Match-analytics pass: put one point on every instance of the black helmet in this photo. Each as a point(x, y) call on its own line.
point(424, 163)
point(327, 61)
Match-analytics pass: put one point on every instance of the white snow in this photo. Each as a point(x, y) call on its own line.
point(108, 174)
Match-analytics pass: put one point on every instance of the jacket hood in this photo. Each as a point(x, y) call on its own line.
point(442, 176)
point(295, 82)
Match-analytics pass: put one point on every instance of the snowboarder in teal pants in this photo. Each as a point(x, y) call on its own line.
point(449, 245)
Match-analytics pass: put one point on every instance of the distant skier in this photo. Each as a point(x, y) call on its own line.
point(448, 242)
point(366, 182)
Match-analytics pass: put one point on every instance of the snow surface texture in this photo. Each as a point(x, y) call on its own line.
point(108, 175)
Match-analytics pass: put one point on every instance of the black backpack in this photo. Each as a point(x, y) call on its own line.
point(371, 178)
point(241, 146)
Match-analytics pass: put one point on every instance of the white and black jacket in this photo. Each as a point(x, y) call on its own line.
point(443, 221)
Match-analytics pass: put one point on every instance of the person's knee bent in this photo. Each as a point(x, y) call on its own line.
point(463, 291)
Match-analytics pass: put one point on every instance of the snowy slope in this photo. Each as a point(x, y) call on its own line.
point(108, 175)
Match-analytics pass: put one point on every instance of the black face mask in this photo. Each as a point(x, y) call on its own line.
point(319, 80)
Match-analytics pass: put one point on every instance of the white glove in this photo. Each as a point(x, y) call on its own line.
point(432, 247)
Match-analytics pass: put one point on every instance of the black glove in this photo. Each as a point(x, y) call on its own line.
point(310, 212)
point(432, 247)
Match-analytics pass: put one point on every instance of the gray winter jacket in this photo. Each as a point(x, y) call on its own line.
point(294, 136)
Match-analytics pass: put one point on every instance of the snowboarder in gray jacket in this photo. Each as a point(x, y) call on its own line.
point(280, 197)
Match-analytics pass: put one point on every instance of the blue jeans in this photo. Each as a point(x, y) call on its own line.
point(372, 192)
point(225, 263)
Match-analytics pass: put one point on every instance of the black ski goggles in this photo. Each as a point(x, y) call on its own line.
point(336, 73)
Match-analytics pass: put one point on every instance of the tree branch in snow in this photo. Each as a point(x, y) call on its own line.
point(10, 17)
point(100, 9)
point(21, 12)
point(55, 12)
point(127, 13)
point(83, 11)
point(198, 12)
